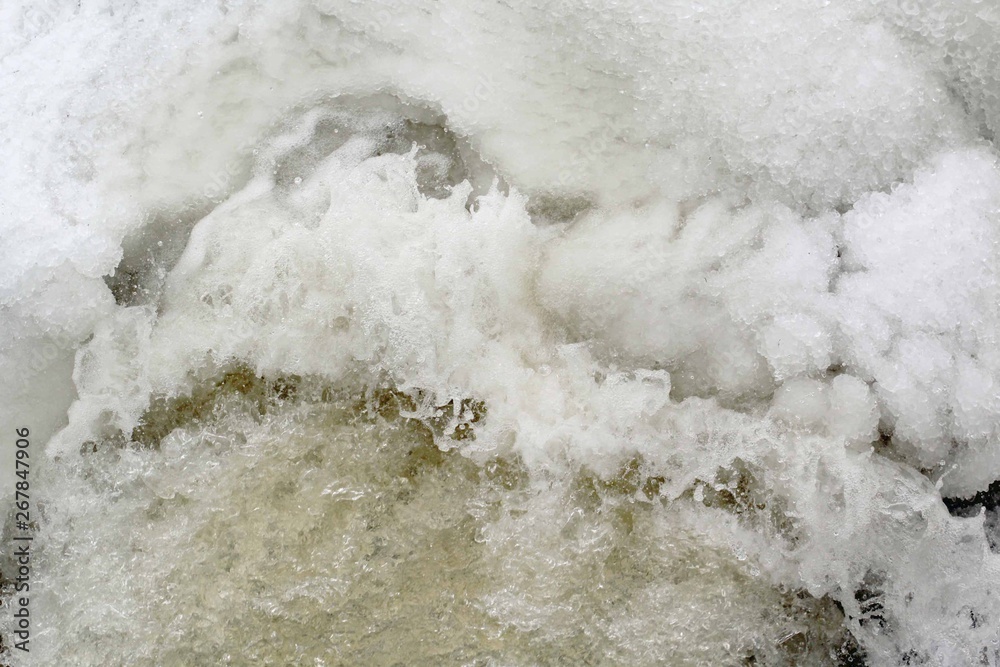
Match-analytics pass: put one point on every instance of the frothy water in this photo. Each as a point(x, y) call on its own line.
point(467, 333)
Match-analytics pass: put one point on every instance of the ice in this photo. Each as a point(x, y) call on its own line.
point(666, 327)
point(920, 294)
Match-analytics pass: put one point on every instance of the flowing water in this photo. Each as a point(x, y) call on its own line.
point(485, 333)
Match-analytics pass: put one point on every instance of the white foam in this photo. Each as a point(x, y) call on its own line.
point(754, 240)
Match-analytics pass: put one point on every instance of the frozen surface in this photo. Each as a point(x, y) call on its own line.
point(505, 333)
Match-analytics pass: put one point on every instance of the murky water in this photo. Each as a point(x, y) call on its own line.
point(479, 333)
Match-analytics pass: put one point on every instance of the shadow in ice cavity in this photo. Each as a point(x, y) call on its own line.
point(150, 253)
point(291, 151)
point(988, 501)
point(551, 209)
point(444, 158)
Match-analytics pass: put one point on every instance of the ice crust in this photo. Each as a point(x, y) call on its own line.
point(705, 236)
